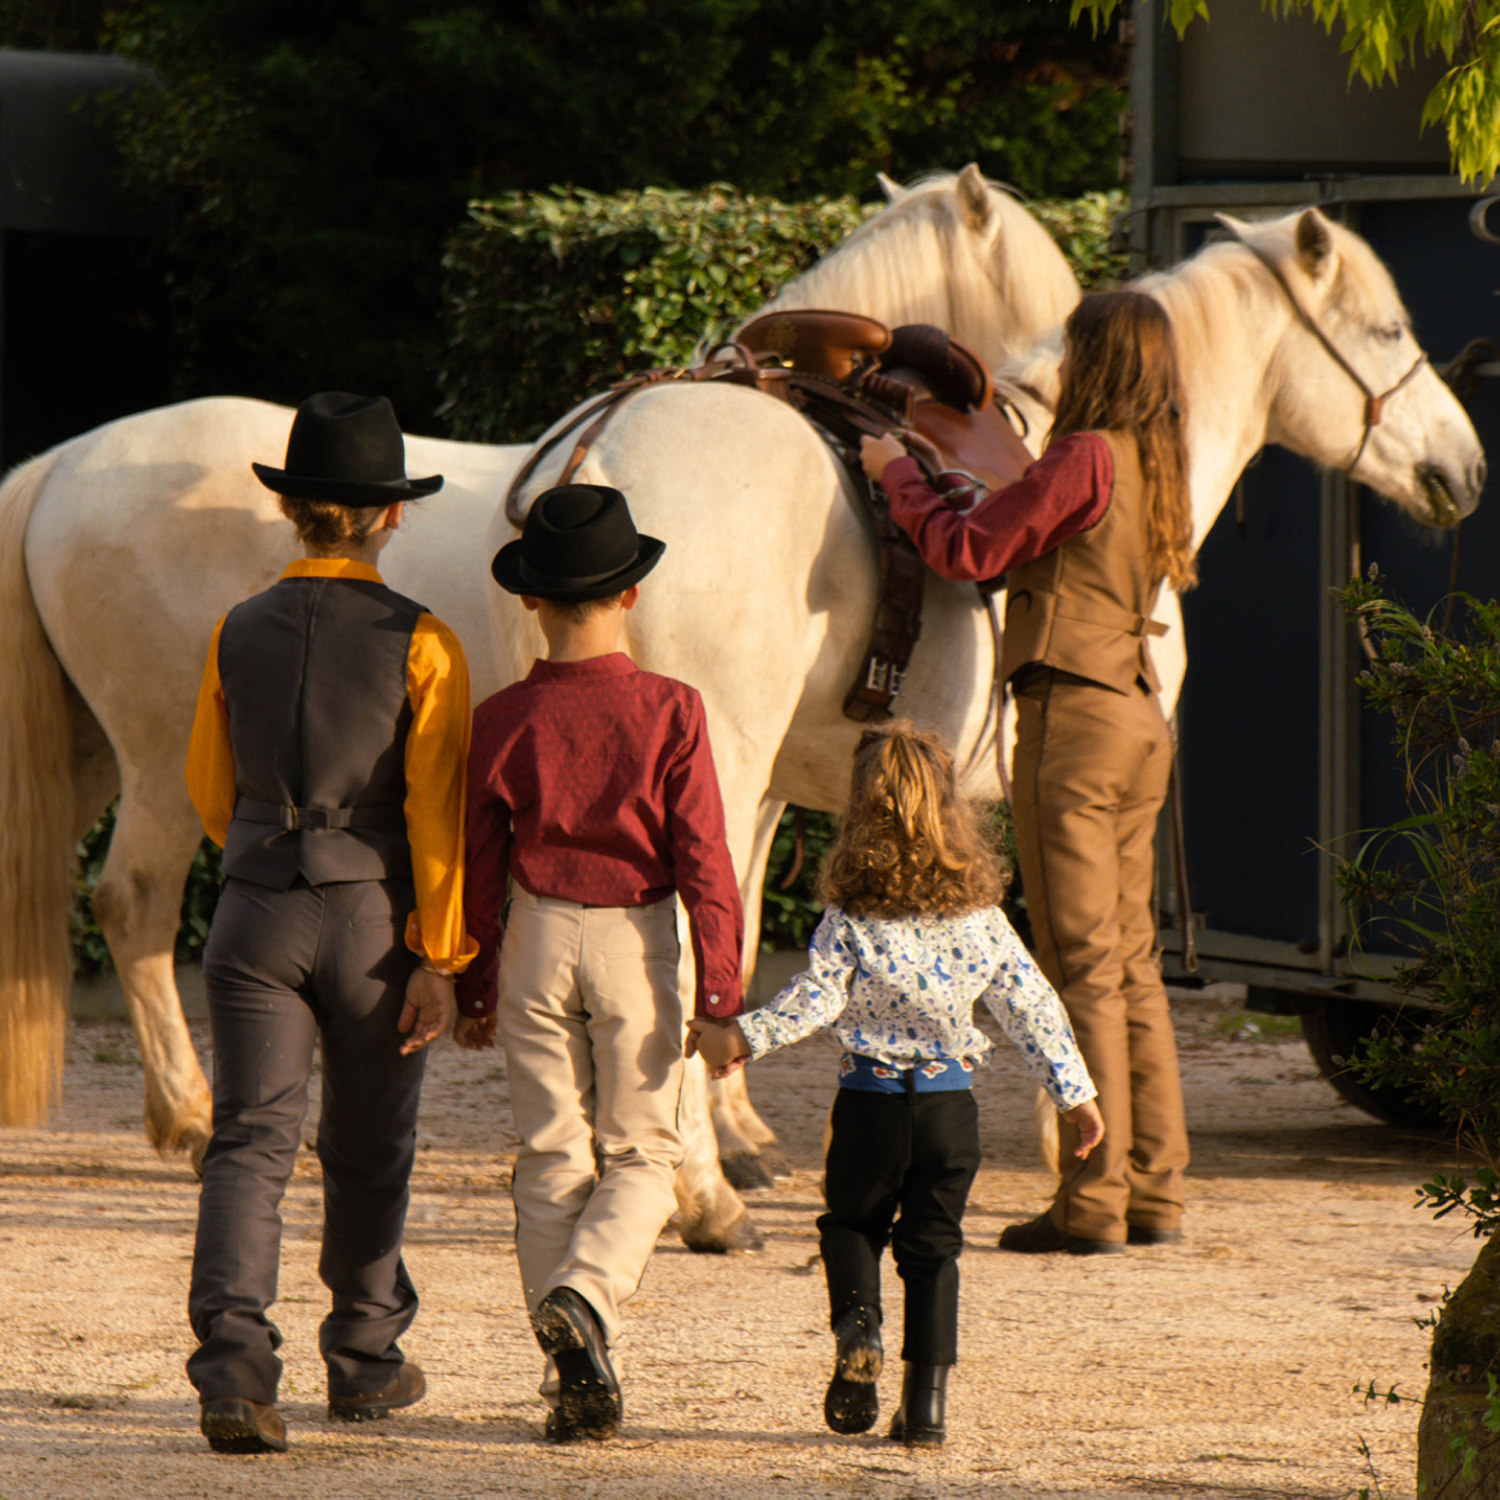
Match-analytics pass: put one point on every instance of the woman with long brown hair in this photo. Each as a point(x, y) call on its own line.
point(1086, 538)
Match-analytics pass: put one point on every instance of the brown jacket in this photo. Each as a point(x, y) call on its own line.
point(1085, 607)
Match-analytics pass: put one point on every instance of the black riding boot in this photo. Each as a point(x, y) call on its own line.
point(919, 1419)
point(852, 1404)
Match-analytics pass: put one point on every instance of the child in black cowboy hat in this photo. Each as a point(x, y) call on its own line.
point(593, 802)
point(328, 758)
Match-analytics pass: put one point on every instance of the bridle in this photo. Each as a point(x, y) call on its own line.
point(1374, 403)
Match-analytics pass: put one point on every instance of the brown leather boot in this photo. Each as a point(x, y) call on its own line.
point(1041, 1236)
point(233, 1424)
point(406, 1387)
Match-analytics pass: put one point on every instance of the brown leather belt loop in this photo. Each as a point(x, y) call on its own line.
point(1108, 617)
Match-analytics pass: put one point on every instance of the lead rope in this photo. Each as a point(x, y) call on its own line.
point(997, 690)
point(1180, 866)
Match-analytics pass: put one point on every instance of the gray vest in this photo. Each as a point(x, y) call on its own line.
point(314, 676)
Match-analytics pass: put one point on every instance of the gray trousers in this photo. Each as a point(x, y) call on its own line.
point(286, 971)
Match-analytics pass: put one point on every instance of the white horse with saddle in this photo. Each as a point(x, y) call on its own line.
point(120, 548)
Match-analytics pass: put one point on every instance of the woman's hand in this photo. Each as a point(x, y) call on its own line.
point(876, 452)
point(1089, 1123)
point(722, 1044)
point(428, 1009)
point(475, 1033)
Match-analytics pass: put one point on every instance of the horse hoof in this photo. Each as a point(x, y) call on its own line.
point(741, 1237)
point(745, 1172)
point(775, 1162)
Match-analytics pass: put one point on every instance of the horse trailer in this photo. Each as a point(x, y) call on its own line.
point(83, 301)
point(1281, 763)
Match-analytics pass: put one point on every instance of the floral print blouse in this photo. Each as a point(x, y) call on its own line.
point(902, 991)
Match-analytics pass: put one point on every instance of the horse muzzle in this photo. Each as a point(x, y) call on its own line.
point(1449, 499)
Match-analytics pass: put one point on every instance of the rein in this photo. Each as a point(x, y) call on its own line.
point(1374, 402)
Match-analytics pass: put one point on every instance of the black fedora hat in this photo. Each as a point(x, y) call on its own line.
point(347, 449)
point(579, 543)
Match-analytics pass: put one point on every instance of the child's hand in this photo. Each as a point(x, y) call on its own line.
point(722, 1044)
point(475, 1032)
point(429, 1003)
point(1090, 1125)
point(876, 452)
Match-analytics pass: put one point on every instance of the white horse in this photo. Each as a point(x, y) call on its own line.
point(120, 548)
point(765, 595)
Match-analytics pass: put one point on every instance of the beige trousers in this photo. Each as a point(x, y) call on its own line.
point(1091, 773)
point(591, 1022)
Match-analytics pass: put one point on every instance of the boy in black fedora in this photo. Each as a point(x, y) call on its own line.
point(328, 759)
point(593, 805)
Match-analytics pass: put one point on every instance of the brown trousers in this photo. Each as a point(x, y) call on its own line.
point(1091, 773)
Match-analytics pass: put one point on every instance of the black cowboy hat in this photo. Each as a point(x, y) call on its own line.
point(347, 449)
point(579, 543)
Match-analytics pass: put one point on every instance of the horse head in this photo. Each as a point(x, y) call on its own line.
point(1348, 384)
point(953, 249)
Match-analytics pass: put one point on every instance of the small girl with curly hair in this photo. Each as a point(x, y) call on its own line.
point(912, 936)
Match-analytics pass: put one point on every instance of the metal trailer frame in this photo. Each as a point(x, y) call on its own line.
point(1284, 977)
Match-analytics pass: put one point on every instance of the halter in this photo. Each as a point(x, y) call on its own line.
point(1374, 404)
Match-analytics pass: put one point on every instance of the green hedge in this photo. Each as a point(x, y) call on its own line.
point(553, 295)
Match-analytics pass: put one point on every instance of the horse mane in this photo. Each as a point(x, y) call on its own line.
point(1198, 294)
point(918, 262)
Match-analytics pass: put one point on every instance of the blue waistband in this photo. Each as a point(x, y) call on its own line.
point(874, 1077)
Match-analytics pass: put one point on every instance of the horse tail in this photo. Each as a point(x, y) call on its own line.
point(36, 838)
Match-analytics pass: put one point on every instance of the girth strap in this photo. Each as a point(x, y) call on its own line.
point(279, 814)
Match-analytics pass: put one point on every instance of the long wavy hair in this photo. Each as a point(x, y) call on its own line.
point(1120, 375)
point(909, 842)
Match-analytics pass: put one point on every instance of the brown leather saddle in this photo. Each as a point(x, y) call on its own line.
point(850, 376)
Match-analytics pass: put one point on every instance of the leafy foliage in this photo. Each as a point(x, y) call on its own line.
point(612, 284)
point(1081, 227)
point(1435, 876)
point(1380, 37)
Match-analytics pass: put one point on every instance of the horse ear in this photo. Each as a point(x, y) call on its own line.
point(889, 186)
point(1314, 240)
point(1236, 227)
point(974, 197)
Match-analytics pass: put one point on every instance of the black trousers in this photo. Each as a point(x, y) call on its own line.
point(899, 1170)
point(286, 971)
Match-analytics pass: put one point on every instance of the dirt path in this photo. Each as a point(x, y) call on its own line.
point(1221, 1367)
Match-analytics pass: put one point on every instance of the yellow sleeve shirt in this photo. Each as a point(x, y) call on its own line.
point(437, 754)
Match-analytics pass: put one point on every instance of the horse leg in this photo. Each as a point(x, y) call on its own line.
point(138, 903)
point(711, 1216)
point(747, 1146)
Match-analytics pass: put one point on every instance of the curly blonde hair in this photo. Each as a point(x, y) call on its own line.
point(909, 843)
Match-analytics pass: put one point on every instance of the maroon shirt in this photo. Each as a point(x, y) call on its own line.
point(1065, 491)
point(593, 781)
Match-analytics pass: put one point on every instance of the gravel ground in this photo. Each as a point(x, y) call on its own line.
point(1220, 1367)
